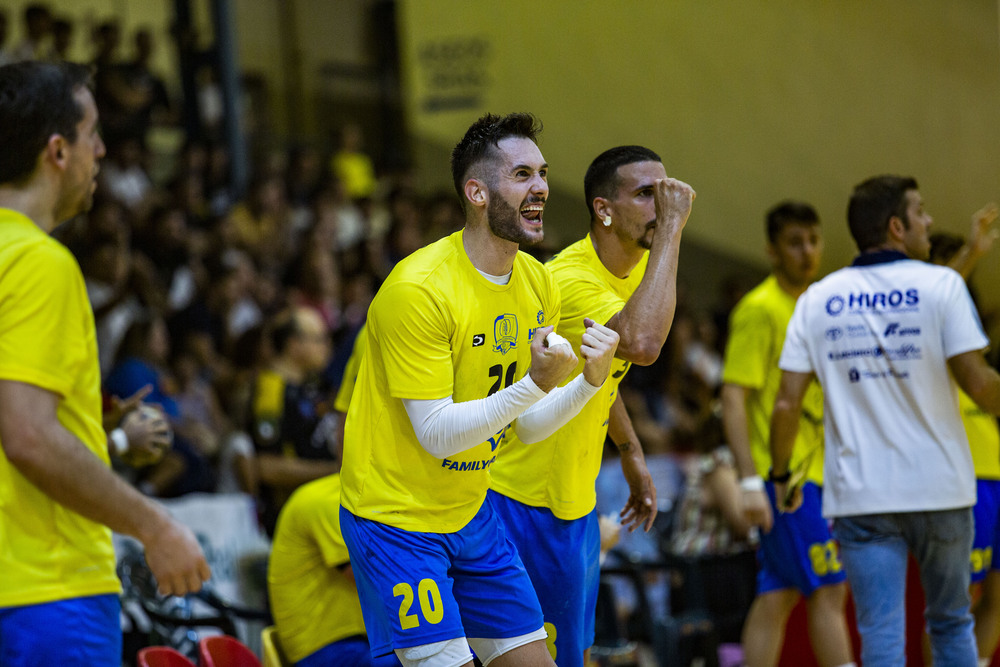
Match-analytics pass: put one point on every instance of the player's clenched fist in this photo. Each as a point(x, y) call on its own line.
point(598, 350)
point(549, 364)
point(673, 201)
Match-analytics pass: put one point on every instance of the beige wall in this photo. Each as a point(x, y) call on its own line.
point(750, 102)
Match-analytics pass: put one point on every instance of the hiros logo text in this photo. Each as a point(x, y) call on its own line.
point(896, 300)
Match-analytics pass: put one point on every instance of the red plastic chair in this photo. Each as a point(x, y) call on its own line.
point(225, 651)
point(162, 656)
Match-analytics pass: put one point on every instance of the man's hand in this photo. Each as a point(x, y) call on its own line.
point(598, 351)
point(673, 201)
point(788, 502)
point(122, 406)
point(549, 365)
point(983, 233)
point(640, 510)
point(757, 509)
point(149, 436)
point(175, 558)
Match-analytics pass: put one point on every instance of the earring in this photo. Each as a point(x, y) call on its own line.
point(607, 221)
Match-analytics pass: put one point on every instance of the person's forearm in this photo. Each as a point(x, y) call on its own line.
point(445, 428)
point(734, 424)
point(645, 320)
point(553, 412)
point(62, 467)
point(287, 472)
point(784, 428)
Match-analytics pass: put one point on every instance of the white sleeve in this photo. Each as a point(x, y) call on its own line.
point(444, 427)
point(552, 412)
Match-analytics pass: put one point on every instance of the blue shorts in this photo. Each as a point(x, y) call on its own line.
point(419, 588)
point(986, 544)
point(78, 632)
point(800, 551)
point(349, 652)
point(563, 560)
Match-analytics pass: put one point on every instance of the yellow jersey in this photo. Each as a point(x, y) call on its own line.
point(984, 437)
point(756, 335)
point(313, 602)
point(343, 400)
point(559, 472)
point(47, 339)
point(436, 328)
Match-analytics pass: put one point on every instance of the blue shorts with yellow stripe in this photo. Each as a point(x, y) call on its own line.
point(563, 559)
point(800, 551)
point(986, 544)
point(419, 588)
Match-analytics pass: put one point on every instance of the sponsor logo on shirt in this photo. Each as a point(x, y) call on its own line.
point(540, 317)
point(905, 352)
point(857, 375)
point(468, 466)
point(897, 329)
point(505, 333)
point(898, 301)
point(478, 340)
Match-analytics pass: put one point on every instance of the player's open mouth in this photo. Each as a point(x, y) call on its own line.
point(533, 213)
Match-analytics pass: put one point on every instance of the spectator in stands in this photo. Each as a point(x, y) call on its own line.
point(37, 30)
point(292, 425)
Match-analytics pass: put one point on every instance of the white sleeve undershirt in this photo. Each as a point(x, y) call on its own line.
point(444, 427)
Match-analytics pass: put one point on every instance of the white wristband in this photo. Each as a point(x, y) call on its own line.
point(119, 441)
point(755, 483)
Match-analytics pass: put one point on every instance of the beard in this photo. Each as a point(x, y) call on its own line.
point(505, 223)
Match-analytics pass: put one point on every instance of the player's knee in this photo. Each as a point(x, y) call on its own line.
point(488, 650)
point(447, 653)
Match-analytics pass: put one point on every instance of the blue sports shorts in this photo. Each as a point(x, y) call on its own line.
point(78, 632)
point(986, 544)
point(419, 588)
point(800, 551)
point(563, 560)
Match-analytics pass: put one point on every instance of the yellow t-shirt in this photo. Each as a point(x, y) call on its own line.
point(47, 339)
point(559, 472)
point(346, 390)
point(436, 328)
point(984, 437)
point(756, 335)
point(313, 602)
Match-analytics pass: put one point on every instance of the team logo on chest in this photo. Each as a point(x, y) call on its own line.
point(505, 333)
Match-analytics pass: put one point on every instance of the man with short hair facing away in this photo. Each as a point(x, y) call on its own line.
point(59, 499)
point(293, 429)
point(622, 273)
point(898, 469)
point(456, 357)
point(797, 557)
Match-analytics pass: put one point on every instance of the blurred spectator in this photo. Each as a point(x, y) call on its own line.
point(351, 166)
point(152, 103)
point(123, 176)
point(5, 55)
point(292, 423)
point(37, 30)
point(62, 38)
point(261, 221)
point(315, 283)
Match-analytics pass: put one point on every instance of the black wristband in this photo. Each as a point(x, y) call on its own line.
point(779, 479)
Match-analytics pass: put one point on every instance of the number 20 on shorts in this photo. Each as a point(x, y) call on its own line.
point(428, 598)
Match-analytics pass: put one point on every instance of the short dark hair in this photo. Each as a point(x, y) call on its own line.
point(482, 139)
point(786, 213)
point(872, 204)
point(36, 101)
point(601, 179)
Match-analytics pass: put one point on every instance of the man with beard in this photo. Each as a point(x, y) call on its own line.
point(59, 499)
point(622, 273)
point(797, 556)
point(458, 353)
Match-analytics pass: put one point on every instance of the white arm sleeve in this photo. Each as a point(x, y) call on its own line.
point(444, 427)
point(552, 412)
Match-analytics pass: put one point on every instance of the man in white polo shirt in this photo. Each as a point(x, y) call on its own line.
point(881, 337)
